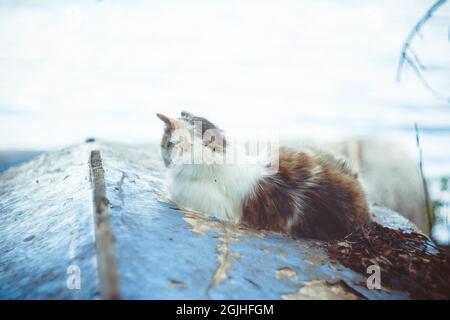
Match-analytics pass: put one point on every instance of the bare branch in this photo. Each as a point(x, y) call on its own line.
point(408, 55)
point(422, 79)
point(415, 31)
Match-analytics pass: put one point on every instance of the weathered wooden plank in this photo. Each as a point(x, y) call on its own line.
point(106, 260)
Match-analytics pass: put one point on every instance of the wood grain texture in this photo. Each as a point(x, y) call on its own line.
point(107, 270)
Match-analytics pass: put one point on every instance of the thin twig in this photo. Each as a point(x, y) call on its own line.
point(422, 79)
point(424, 182)
point(416, 58)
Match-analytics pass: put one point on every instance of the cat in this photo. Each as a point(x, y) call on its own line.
point(313, 194)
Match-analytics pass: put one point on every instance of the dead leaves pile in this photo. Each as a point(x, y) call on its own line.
point(408, 261)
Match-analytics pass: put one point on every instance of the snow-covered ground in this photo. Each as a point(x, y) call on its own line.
point(321, 69)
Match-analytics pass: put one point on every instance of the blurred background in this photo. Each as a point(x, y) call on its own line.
point(322, 70)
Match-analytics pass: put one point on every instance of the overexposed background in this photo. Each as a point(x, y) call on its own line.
point(309, 69)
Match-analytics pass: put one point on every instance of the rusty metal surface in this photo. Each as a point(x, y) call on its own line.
point(161, 252)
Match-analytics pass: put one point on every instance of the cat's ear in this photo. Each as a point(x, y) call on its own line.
point(187, 115)
point(170, 123)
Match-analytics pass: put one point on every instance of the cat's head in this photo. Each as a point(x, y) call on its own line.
point(188, 138)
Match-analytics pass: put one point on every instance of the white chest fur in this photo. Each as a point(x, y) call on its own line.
point(213, 190)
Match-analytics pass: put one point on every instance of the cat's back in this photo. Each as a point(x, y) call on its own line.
point(313, 194)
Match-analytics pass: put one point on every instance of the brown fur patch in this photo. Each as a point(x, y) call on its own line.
point(313, 195)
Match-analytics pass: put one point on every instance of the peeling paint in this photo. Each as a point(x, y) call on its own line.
point(321, 290)
point(227, 233)
point(286, 273)
point(225, 258)
point(202, 225)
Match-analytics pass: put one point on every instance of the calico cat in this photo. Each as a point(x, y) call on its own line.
point(312, 194)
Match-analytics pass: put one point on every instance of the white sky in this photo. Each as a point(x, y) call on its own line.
point(104, 68)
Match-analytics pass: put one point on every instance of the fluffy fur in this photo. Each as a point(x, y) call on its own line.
point(313, 194)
